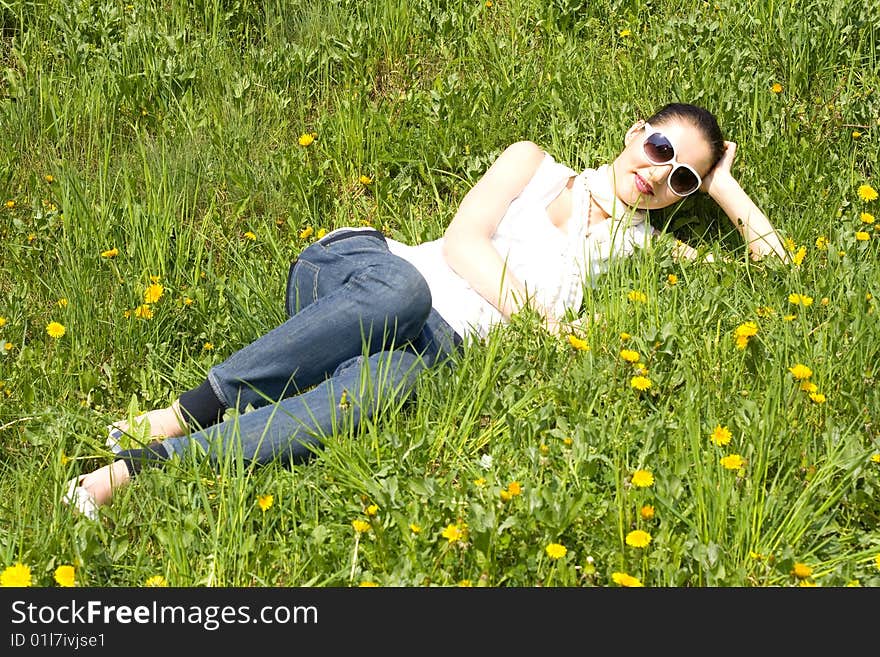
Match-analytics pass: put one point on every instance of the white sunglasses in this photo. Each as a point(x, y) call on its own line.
point(683, 180)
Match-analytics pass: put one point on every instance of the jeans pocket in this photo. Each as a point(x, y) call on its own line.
point(302, 286)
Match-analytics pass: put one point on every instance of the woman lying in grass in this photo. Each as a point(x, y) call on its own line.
point(367, 314)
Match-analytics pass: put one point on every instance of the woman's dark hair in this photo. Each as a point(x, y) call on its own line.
point(700, 118)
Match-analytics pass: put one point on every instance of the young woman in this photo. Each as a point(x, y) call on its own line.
point(367, 313)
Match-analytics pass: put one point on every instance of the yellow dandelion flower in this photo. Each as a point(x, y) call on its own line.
point(577, 343)
point(637, 297)
point(866, 218)
point(642, 478)
point(856, 134)
point(625, 336)
point(801, 570)
point(373, 509)
point(55, 330)
point(556, 550)
point(720, 435)
point(110, 253)
point(625, 33)
point(862, 236)
point(367, 584)
point(466, 583)
point(156, 581)
point(567, 441)
point(544, 448)
point(49, 178)
point(776, 88)
point(143, 312)
point(306, 138)
point(743, 332)
point(818, 397)
point(306, 233)
point(265, 502)
point(733, 462)
point(505, 495)
point(10, 204)
point(188, 301)
point(867, 193)
point(626, 580)
point(65, 576)
point(638, 538)
point(365, 180)
point(789, 318)
point(800, 371)
point(514, 488)
point(153, 293)
point(647, 512)
point(821, 242)
point(62, 303)
point(853, 583)
point(17, 576)
point(875, 458)
point(414, 528)
point(640, 383)
point(672, 279)
point(809, 386)
point(321, 232)
point(7, 346)
point(250, 235)
point(452, 533)
point(360, 526)
point(798, 258)
point(2, 321)
point(479, 482)
point(31, 237)
point(800, 299)
point(877, 562)
point(630, 356)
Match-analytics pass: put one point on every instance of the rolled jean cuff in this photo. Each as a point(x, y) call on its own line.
point(153, 455)
point(201, 407)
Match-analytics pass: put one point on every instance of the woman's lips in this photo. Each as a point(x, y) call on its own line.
point(643, 186)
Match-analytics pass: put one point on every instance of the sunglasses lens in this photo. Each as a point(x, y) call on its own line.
point(683, 181)
point(659, 149)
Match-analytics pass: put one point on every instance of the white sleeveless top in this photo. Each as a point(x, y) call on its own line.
point(554, 266)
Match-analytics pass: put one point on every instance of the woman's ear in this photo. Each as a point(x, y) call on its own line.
point(633, 131)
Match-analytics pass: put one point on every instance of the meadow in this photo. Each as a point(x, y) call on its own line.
point(164, 161)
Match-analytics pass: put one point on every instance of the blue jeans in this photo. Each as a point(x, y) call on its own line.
point(360, 329)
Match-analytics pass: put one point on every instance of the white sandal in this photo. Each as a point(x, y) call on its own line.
point(114, 435)
point(80, 499)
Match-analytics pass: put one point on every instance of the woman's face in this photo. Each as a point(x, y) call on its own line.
point(641, 184)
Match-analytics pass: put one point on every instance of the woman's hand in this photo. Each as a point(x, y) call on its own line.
point(757, 231)
point(721, 170)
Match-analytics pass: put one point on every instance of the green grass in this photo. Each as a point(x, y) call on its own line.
point(170, 130)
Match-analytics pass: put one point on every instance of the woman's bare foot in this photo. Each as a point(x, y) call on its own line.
point(160, 423)
point(89, 491)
